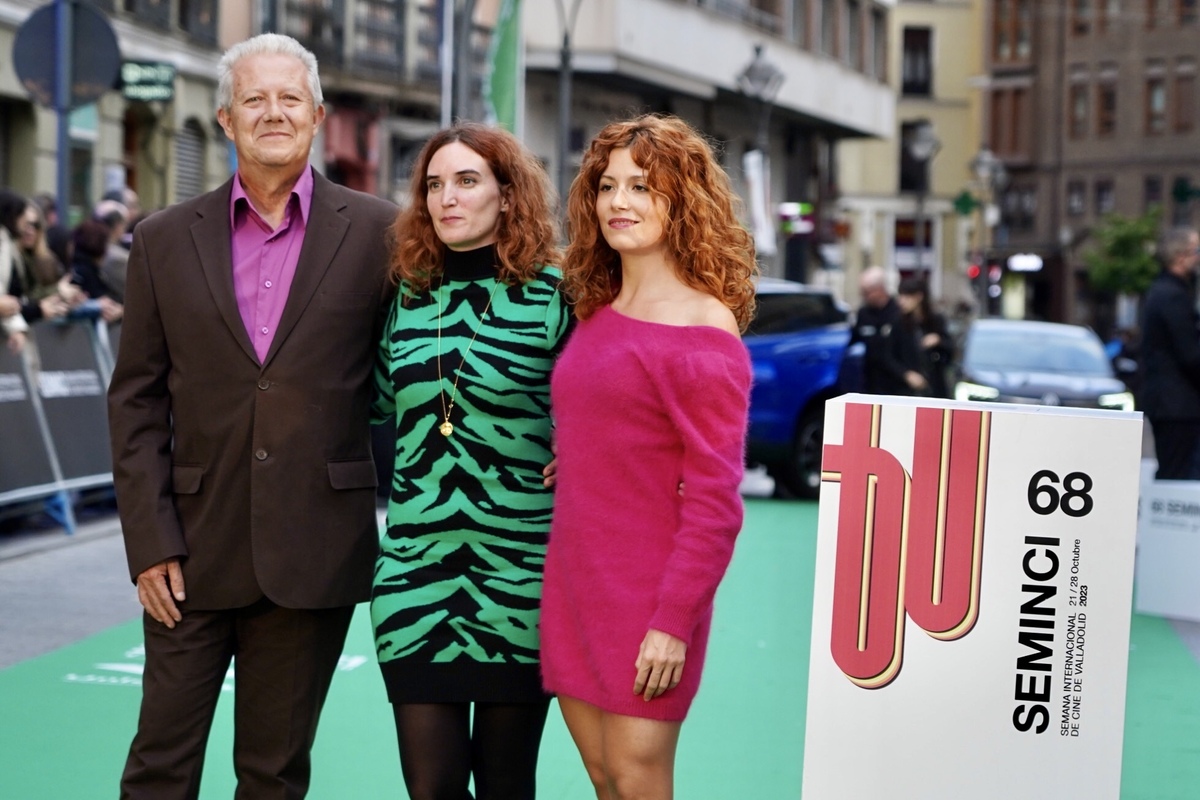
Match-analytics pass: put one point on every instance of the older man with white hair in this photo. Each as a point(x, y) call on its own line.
point(892, 364)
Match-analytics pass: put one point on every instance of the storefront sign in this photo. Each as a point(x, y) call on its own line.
point(148, 81)
point(972, 601)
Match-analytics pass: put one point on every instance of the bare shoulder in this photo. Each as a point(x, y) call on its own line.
point(710, 311)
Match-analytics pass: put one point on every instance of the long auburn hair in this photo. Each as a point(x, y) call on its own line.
point(710, 248)
point(528, 233)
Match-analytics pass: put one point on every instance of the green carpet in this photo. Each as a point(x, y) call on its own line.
point(66, 718)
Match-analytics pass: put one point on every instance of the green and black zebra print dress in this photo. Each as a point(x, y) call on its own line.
point(459, 578)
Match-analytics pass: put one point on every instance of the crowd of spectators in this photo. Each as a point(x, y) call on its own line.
point(49, 271)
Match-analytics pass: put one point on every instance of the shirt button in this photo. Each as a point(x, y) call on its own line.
point(268, 284)
point(263, 383)
point(264, 330)
point(260, 454)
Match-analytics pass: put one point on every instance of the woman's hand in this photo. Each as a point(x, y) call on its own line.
point(550, 471)
point(659, 664)
point(53, 307)
point(71, 294)
point(16, 342)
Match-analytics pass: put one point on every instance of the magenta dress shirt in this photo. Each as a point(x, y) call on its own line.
point(264, 259)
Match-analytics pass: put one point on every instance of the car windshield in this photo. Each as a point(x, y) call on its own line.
point(1035, 350)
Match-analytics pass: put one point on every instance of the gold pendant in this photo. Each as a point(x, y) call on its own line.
point(446, 428)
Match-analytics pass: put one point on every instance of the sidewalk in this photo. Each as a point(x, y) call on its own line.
point(56, 589)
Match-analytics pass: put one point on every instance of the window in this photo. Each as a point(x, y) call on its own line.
point(1078, 110)
point(1184, 100)
point(1007, 133)
point(1110, 14)
point(917, 65)
point(1106, 108)
point(1019, 208)
point(1081, 17)
point(199, 18)
point(1187, 12)
point(1180, 211)
point(854, 34)
point(1105, 201)
point(378, 34)
point(879, 33)
point(1152, 191)
point(151, 12)
point(1024, 28)
point(1002, 41)
point(1156, 106)
point(829, 11)
point(800, 24)
point(1012, 30)
point(1075, 198)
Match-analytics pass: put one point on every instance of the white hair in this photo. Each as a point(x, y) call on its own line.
point(274, 44)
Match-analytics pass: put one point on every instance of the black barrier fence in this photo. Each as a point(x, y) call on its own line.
point(53, 414)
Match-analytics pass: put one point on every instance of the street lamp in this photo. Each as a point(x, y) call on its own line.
point(922, 146)
point(760, 81)
point(992, 175)
point(566, 19)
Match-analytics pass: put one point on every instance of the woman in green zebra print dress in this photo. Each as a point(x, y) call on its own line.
point(465, 367)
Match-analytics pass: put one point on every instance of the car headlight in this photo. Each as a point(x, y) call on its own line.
point(1121, 401)
point(965, 390)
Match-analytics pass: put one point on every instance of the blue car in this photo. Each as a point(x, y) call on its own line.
point(799, 344)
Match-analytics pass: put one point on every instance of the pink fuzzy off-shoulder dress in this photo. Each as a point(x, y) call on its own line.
point(638, 408)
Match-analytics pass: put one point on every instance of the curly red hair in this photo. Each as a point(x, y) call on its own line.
point(528, 234)
point(710, 248)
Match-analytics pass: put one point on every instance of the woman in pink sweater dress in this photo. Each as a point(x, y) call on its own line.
point(651, 393)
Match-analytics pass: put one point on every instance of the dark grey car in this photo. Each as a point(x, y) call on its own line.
point(1043, 363)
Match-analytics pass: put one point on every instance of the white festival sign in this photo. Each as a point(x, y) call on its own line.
point(971, 609)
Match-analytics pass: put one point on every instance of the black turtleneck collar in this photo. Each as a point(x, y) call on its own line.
point(470, 265)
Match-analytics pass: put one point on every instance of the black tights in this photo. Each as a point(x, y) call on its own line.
point(440, 749)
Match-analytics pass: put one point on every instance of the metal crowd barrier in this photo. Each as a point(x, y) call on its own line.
point(53, 413)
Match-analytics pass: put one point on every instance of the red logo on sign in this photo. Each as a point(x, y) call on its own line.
point(905, 542)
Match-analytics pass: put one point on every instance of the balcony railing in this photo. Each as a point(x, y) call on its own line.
point(744, 12)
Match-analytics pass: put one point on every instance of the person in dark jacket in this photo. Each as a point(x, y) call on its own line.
point(929, 329)
point(1171, 358)
point(892, 363)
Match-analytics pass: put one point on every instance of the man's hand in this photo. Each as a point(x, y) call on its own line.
point(159, 588)
point(659, 664)
point(9, 306)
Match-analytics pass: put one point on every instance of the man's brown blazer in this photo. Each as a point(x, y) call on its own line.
point(258, 476)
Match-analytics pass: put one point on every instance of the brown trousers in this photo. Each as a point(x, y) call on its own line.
point(284, 662)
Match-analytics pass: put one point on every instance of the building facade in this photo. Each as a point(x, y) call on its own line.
point(1093, 108)
point(909, 200)
point(166, 149)
point(825, 60)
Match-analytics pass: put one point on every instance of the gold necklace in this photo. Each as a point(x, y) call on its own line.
point(447, 428)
